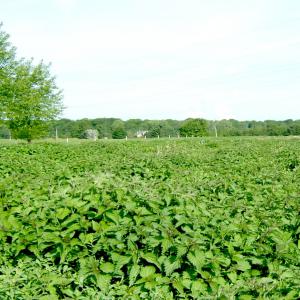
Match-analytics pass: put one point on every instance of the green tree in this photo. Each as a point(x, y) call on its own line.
point(194, 127)
point(79, 128)
point(29, 96)
point(118, 130)
point(34, 99)
point(274, 128)
point(7, 66)
point(169, 128)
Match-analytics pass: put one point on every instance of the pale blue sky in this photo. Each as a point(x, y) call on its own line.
point(161, 59)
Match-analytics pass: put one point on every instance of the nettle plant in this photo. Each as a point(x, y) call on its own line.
point(193, 222)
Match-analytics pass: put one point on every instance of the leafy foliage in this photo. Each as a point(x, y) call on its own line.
point(194, 127)
point(122, 220)
point(118, 130)
point(28, 94)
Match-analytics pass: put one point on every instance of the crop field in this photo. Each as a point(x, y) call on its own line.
point(156, 219)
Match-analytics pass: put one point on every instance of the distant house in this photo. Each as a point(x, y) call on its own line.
point(141, 133)
point(91, 134)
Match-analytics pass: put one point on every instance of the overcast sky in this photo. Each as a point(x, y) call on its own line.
point(160, 59)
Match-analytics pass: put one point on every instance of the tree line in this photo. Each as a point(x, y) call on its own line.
point(118, 129)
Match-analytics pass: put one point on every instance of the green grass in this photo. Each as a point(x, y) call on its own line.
point(156, 219)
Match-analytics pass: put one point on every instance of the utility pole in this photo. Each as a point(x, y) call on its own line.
point(56, 134)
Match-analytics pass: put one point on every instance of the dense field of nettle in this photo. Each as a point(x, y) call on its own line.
point(156, 219)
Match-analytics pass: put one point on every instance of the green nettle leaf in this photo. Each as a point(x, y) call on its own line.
point(119, 260)
point(87, 238)
point(142, 211)
point(134, 272)
point(197, 259)
point(186, 283)
point(51, 237)
point(166, 244)
point(64, 251)
point(256, 261)
point(181, 250)
point(178, 285)
point(107, 267)
point(171, 266)
point(198, 288)
point(62, 213)
point(232, 276)
point(149, 285)
point(72, 228)
point(147, 271)
point(223, 261)
point(113, 216)
point(151, 258)
point(96, 226)
point(243, 265)
point(72, 219)
point(103, 281)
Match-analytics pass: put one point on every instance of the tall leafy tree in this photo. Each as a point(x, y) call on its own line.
point(29, 95)
point(194, 127)
point(118, 130)
point(34, 100)
point(7, 67)
point(154, 131)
